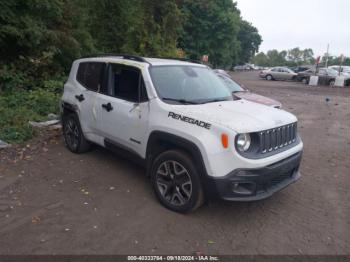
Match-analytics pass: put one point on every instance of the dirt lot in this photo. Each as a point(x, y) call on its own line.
point(55, 202)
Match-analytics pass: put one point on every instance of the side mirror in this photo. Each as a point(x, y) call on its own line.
point(235, 97)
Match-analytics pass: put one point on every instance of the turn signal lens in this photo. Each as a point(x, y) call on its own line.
point(224, 140)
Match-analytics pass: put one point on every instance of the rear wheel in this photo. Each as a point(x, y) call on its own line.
point(332, 83)
point(73, 135)
point(176, 182)
point(269, 77)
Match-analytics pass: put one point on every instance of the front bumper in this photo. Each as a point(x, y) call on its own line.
point(255, 184)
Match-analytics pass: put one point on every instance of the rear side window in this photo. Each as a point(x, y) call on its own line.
point(90, 75)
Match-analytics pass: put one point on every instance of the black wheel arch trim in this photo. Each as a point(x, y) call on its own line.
point(159, 141)
point(68, 107)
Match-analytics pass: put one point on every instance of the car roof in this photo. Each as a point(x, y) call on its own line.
point(133, 59)
point(282, 67)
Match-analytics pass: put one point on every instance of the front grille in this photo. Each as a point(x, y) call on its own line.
point(274, 139)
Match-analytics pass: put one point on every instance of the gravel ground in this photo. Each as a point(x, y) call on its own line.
point(55, 202)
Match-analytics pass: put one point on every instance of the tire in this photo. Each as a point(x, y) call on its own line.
point(176, 182)
point(331, 83)
point(269, 77)
point(73, 135)
point(304, 81)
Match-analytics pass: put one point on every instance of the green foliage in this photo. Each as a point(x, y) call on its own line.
point(210, 27)
point(39, 39)
point(249, 39)
point(17, 108)
point(298, 56)
point(147, 27)
point(292, 57)
point(11, 78)
point(335, 60)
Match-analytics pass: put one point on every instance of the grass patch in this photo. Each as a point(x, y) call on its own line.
point(17, 107)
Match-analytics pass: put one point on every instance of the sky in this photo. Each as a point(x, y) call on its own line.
point(285, 24)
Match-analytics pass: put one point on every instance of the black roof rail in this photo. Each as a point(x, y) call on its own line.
point(124, 56)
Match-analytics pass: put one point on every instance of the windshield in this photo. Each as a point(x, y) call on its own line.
point(232, 85)
point(188, 84)
point(331, 72)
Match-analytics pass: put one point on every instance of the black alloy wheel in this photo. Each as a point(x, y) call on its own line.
point(176, 182)
point(73, 135)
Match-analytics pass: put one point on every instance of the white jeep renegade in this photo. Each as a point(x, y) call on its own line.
point(195, 140)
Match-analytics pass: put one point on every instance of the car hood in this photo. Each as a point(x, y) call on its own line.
point(258, 99)
point(241, 115)
point(346, 75)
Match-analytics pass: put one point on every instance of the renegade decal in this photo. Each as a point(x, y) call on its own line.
point(189, 120)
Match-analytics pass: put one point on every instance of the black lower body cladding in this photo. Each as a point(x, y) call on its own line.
point(255, 184)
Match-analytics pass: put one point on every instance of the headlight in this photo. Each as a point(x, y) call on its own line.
point(243, 142)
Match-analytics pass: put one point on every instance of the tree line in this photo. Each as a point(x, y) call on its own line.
point(40, 38)
point(293, 57)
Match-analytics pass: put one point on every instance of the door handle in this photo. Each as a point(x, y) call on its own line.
point(80, 97)
point(107, 106)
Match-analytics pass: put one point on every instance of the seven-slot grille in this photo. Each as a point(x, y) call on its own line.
point(276, 138)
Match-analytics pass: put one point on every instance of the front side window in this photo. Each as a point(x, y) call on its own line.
point(192, 84)
point(310, 71)
point(126, 82)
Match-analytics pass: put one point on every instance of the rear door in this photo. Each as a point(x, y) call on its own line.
point(324, 78)
point(89, 79)
point(276, 73)
point(285, 74)
point(122, 108)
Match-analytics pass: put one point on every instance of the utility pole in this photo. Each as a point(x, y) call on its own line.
point(327, 55)
point(341, 63)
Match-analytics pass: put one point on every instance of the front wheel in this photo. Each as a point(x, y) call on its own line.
point(176, 182)
point(269, 77)
point(305, 81)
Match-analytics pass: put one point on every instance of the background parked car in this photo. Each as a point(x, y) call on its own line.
point(243, 67)
point(222, 72)
point(298, 69)
point(344, 70)
point(239, 91)
point(326, 76)
point(278, 73)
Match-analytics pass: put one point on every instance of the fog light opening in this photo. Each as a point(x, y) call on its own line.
point(243, 188)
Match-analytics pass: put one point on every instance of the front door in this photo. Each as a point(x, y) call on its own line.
point(122, 108)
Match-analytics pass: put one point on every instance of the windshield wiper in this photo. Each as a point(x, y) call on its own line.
point(182, 101)
point(216, 100)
